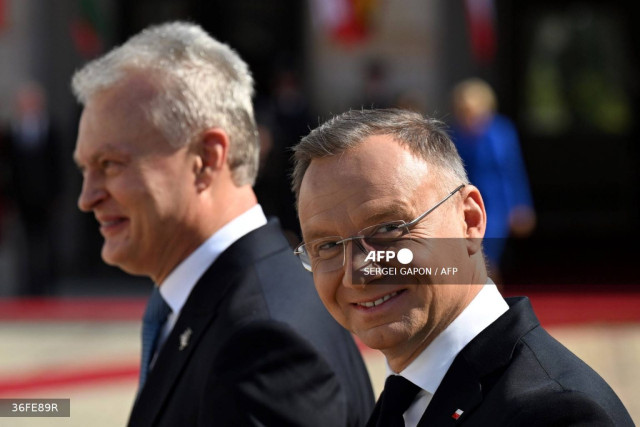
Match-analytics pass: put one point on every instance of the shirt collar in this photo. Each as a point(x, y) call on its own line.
point(178, 285)
point(430, 367)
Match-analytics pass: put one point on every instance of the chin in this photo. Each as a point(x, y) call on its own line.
point(383, 337)
point(114, 257)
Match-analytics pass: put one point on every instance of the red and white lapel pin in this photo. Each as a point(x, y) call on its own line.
point(457, 414)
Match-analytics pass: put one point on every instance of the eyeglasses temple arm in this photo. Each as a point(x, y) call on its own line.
point(409, 224)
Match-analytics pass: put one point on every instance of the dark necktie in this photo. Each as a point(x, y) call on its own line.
point(397, 396)
point(154, 317)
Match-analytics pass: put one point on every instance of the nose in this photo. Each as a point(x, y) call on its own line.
point(92, 193)
point(354, 263)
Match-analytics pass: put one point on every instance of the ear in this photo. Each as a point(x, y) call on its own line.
point(475, 218)
point(212, 150)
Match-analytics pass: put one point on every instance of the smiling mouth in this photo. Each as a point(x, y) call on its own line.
point(379, 301)
point(111, 223)
point(111, 226)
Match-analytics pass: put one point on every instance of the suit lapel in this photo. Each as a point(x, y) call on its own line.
point(460, 390)
point(373, 418)
point(198, 314)
point(462, 387)
point(174, 354)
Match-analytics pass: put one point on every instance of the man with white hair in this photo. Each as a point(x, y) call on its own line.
point(233, 333)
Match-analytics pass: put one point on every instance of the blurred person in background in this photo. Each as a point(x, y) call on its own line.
point(283, 118)
point(233, 333)
point(34, 185)
point(457, 352)
point(489, 147)
point(5, 170)
point(376, 91)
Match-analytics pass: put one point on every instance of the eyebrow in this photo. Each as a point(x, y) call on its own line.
point(390, 214)
point(386, 215)
point(320, 234)
point(106, 149)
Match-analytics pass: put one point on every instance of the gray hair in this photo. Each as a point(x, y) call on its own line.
point(201, 83)
point(424, 137)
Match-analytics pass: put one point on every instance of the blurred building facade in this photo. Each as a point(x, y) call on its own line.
point(563, 70)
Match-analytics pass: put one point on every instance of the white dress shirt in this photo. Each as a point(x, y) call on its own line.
point(175, 289)
point(429, 368)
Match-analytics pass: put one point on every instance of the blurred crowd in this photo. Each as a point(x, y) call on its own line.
point(30, 186)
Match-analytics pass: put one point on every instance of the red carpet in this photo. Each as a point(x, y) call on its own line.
point(25, 384)
point(552, 308)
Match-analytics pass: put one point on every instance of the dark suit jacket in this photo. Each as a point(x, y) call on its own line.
point(261, 349)
point(515, 374)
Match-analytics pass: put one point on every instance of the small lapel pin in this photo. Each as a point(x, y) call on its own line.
point(184, 339)
point(457, 414)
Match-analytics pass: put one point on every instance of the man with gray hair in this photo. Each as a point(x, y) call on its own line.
point(233, 333)
point(413, 282)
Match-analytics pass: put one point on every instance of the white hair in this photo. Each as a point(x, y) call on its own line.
point(200, 83)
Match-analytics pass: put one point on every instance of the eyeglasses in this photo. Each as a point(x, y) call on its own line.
point(329, 253)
